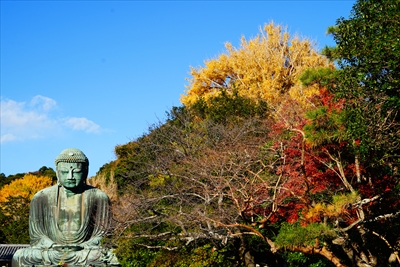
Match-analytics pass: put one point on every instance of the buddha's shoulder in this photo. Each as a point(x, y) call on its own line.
point(48, 191)
point(95, 191)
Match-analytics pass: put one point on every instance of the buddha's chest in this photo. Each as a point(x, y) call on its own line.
point(70, 213)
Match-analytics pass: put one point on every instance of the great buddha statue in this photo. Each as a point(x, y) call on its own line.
point(67, 221)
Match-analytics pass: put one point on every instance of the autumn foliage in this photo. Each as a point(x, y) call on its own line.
point(266, 68)
point(25, 187)
point(264, 147)
point(15, 198)
point(268, 161)
point(265, 162)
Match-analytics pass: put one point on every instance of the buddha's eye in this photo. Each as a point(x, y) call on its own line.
point(78, 170)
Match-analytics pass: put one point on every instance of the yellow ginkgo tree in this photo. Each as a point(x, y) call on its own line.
point(24, 187)
point(266, 68)
point(14, 207)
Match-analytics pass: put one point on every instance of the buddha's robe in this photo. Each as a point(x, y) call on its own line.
point(67, 229)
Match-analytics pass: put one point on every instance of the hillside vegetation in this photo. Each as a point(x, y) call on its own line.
point(279, 156)
point(16, 192)
point(275, 156)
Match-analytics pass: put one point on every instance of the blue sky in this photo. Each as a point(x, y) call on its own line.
point(96, 74)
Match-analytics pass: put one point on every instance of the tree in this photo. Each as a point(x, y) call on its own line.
point(14, 220)
point(15, 198)
point(43, 171)
point(6, 180)
point(46, 171)
point(326, 174)
point(366, 127)
point(210, 173)
point(292, 184)
point(25, 187)
point(219, 183)
point(265, 68)
point(368, 53)
point(178, 178)
point(319, 177)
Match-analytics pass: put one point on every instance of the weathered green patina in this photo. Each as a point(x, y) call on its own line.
point(68, 221)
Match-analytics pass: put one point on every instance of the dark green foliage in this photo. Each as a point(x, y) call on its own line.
point(293, 234)
point(368, 53)
point(133, 160)
point(326, 126)
point(3, 180)
point(105, 170)
point(225, 107)
point(199, 256)
point(6, 180)
point(136, 255)
point(260, 250)
point(14, 221)
point(45, 171)
point(298, 259)
point(130, 255)
point(322, 76)
point(3, 219)
point(49, 172)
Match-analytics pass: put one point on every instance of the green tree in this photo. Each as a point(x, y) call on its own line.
point(49, 172)
point(14, 218)
point(368, 54)
point(219, 170)
point(365, 123)
point(15, 196)
point(6, 180)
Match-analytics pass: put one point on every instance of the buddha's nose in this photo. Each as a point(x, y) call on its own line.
point(70, 175)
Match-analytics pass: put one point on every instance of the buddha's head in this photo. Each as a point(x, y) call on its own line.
point(72, 168)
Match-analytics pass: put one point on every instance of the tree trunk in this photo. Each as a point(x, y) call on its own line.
point(321, 251)
point(245, 254)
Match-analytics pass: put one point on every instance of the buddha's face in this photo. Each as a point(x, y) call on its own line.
point(71, 175)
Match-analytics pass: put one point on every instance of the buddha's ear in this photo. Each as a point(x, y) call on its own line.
point(86, 169)
point(58, 179)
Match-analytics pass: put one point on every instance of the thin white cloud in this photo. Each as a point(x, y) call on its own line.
point(21, 121)
point(16, 115)
point(44, 103)
point(7, 138)
point(83, 124)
